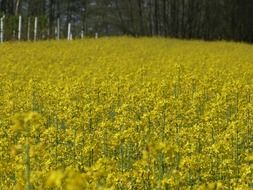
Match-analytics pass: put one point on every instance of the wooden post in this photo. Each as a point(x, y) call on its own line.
point(35, 28)
point(19, 27)
point(2, 29)
point(28, 28)
point(69, 31)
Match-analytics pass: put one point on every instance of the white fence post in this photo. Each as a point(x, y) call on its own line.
point(58, 29)
point(19, 27)
point(35, 28)
point(28, 29)
point(55, 33)
point(69, 32)
point(96, 35)
point(2, 29)
point(82, 34)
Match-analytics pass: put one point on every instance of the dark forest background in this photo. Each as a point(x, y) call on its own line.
point(202, 19)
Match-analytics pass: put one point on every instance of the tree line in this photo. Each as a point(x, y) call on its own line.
point(204, 19)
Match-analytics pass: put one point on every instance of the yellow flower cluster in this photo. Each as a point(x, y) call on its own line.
point(123, 113)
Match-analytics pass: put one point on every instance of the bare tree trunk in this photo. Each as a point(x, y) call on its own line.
point(84, 17)
point(140, 3)
point(3, 6)
point(121, 24)
point(156, 20)
point(183, 19)
point(151, 20)
point(17, 7)
point(131, 12)
point(51, 8)
point(165, 19)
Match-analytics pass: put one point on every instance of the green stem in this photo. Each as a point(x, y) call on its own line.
point(27, 166)
point(27, 161)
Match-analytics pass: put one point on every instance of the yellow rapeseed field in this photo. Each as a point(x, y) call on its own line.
point(124, 113)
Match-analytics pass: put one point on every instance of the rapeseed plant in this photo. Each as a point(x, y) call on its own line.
point(96, 114)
